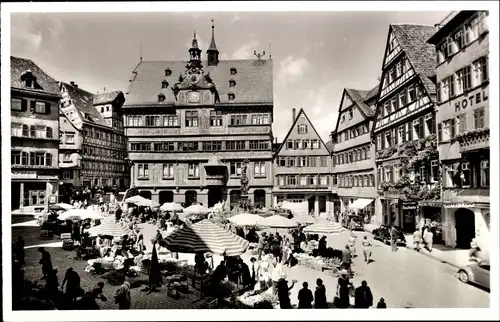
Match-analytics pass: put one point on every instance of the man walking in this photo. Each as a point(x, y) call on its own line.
point(363, 297)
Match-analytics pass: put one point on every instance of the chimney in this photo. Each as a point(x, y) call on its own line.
point(293, 114)
point(73, 84)
point(276, 140)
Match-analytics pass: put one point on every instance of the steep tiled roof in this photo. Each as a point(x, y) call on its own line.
point(104, 98)
point(84, 105)
point(44, 82)
point(254, 81)
point(358, 97)
point(422, 55)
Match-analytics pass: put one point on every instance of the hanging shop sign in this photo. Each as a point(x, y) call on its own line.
point(430, 203)
point(459, 205)
point(410, 205)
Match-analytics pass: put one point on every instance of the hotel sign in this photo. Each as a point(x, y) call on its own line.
point(459, 205)
point(476, 97)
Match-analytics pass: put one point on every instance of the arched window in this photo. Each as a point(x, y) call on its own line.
point(232, 83)
point(164, 84)
point(161, 98)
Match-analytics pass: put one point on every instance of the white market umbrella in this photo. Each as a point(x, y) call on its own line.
point(80, 214)
point(62, 205)
point(141, 201)
point(245, 219)
point(324, 227)
point(196, 210)
point(206, 237)
point(277, 221)
point(171, 206)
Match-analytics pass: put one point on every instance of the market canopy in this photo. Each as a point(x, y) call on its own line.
point(141, 201)
point(110, 228)
point(206, 237)
point(360, 203)
point(196, 210)
point(171, 206)
point(277, 221)
point(324, 227)
point(304, 219)
point(80, 214)
point(245, 219)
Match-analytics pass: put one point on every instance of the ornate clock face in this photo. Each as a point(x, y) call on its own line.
point(194, 79)
point(194, 97)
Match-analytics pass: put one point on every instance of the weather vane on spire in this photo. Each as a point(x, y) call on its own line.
point(259, 55)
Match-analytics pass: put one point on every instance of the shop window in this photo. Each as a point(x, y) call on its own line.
point(485, 173)
point(434, 171)
point(466, 175)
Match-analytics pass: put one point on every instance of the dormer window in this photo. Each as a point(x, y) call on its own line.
point(29, 79)
point(232, 83)
point(230, 96)
point(233, 71)
point(168, 72)
point(164, 84)
point(161, 98)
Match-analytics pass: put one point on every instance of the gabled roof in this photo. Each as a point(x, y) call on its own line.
point(104, 98)
point(19, 66)
point(360, 99)
point(84, 105)
point(293, 126)
point(421, 54)
point(254, 81)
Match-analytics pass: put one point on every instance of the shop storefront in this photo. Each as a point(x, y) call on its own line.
point(410, 212)
point(364, 208)
point(430, 215)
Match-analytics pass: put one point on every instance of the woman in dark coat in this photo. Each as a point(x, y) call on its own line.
point(283, 294)
point(322, 246)
point(305, 297)
point(343, 290)
point(320, 295)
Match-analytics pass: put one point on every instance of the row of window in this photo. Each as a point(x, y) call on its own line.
point(96, 133)
point(467, 174)
point(351, 133)
point(259, 170)
point(302, 144)
point(449, 128)
point(101, 166)
point(425, 174)
point(350, 181)
point(161, 96)
point(103, 152)
point(302, 128)
point(354, 155)
point(466, 34)
point(304, 180)
point(255, 145)
point(192, 119)
point(31, 158)
point(347, 115)
point(395, 72)
point(21, 104)
point(321, 161)
point(34, 131)
point(405, 96)
point(462, 80)
point(410, 131)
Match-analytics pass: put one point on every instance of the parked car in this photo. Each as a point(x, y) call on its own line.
point(476, 273)
point(358, 222)
point(383, 233)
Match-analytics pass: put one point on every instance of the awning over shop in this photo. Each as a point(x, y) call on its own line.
point(360, 203)
point(68, 165)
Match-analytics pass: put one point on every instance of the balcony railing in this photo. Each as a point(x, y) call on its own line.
point(309, 186)
point(41, 138)
point(474, 140)
point(26, 166)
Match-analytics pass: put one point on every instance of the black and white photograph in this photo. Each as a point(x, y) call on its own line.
point(179, 159)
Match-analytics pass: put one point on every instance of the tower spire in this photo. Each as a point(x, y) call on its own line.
point(212, 52)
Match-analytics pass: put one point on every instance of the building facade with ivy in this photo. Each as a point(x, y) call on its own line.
point(407, 161)
point(354, 155)
point(462, 49)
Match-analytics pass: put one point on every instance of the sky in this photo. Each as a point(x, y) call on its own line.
point(315, 54)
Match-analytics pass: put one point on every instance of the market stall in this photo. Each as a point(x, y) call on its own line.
point(142, 202)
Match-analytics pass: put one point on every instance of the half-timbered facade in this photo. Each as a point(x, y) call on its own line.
point(354, 154)
point(404, 132)
point(462, 48)
point(303, 167)
point(191, 126)
point(34, 137)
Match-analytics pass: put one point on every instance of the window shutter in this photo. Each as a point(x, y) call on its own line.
point(452, 128)
point(396, 139)
point(433, 123)
point(47, 108)
point(48, 159)
point(33, 105)
point(32, 158)
point(421, 133)
point(383, 140)
point(440, 132)
point(24, 105)
point(410, 131)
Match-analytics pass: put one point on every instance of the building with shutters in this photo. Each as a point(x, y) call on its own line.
point(93, 147)
point(191, 125)
point(303, 167)
point(354, 155)
point(462, 50)
point(407, 161)
point(34, 137)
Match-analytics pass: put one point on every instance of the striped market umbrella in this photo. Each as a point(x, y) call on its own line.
point(110, 228)
point(304, 219)
point(324, 227)
point(206, 237)
point(277, 221)
point(245, 219)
